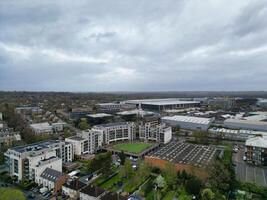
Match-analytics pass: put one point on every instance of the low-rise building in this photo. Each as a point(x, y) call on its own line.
point(72, 188)
point(41, 128)
point(109, 107)
point(256, 150)
point(28, 162)
point(52, 179)
point(8, 137)
point(91, 192)
point(188, 122)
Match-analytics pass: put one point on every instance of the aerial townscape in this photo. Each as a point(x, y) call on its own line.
point(133, 100)
point(134, 146)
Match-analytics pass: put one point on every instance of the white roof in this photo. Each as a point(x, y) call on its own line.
point(1, 126)
point(135, 112)
point(257, 142)
point(99, 115)
point(244, 121)
point(41, 126)
point(160, 102)
point(189, 119)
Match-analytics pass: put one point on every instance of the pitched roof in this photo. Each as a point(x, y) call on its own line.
point(113, 196)
point(51, 174)
point(75, 185)
point(93, 191)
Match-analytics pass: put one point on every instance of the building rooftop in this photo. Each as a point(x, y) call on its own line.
point(113, 196)
point(77, 138)
point(35, 146)
point(184, 153)
point(189, 119)
point(41, 126)
point(93, 191)
point(161, 102)
point(74, 185)
point(99, 115)
point(112, 124)
point(257, 142)
point(135, 112)
point(51, 174)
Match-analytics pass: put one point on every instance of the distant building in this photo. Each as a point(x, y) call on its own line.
point(1, 116)
point(52, 179)
point(98, 118)
point(41, 128)
point(109, 107)
point(160, 105)
point(188, 122)
point(7, 137)
point(262, 103)
point(78, 113)
point(28, 162)
point(28, 110)
point(256, 150)
point(222, 103)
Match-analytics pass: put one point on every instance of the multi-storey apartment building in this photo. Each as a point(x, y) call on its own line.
point(114, 132)
point(30, 161)
point(150, 129)
point(256, 150)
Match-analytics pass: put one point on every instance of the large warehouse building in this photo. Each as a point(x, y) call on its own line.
point(256, 121)
point(188, 122)
point(160, 105)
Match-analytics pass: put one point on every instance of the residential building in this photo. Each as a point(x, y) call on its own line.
point(150, 129)
point(52, 179)
point(72, 188)
point(8, 137)
point(188, 122)
point(91, 192)
point(28, 162)
point(28, 110)
point(256, 150)
point(114, 196)
point(114, 132)
point(80, 145)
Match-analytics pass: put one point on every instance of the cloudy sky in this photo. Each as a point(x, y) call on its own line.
point(131, 45)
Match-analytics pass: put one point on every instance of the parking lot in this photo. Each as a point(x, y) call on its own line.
point(184, 153)
point(249, 173)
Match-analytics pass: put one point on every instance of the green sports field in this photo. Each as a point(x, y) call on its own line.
point(132, 147)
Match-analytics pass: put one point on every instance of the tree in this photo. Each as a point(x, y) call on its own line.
point(122, 157)
point(201, 136)
point(207, 194)
point(160, 182)
point(11, 194)
point(193, 185)
point(170, 174)
point(128, 168)
point(83, 125)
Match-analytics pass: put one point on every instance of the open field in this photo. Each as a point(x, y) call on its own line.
point(132, 147)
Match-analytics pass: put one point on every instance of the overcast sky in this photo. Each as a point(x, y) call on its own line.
point(124, 45)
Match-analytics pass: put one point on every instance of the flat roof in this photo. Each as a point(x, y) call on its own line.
point(44, 125)
point(77, 138)
point(135, 112)
point(185, 153)
point(99, 115)
point(112, 124)
point(161, 102)
point(244, 121)
point(188, 119)
point(257, 142)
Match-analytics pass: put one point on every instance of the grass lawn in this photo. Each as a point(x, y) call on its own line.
point(170, 195)
point(11, 194)
point(110, 183)
point(132, 147)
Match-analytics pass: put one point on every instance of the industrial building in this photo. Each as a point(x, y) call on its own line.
point(192, 158)
point(187, 122)
point(28, 162)
point(159, 105)
point(256, 150)
point(262, 103)
point(109, 107)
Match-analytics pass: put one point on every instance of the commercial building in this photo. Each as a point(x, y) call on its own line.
point(114, 132)
point(52, 179)
point(160, 105)
point(222, 103)
point(256, 150)
point(262, 103)
point(246, 124)
point(150, 129)
point(188, 122)
point(109, 107)
point(28, 162)
point(98, 118)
